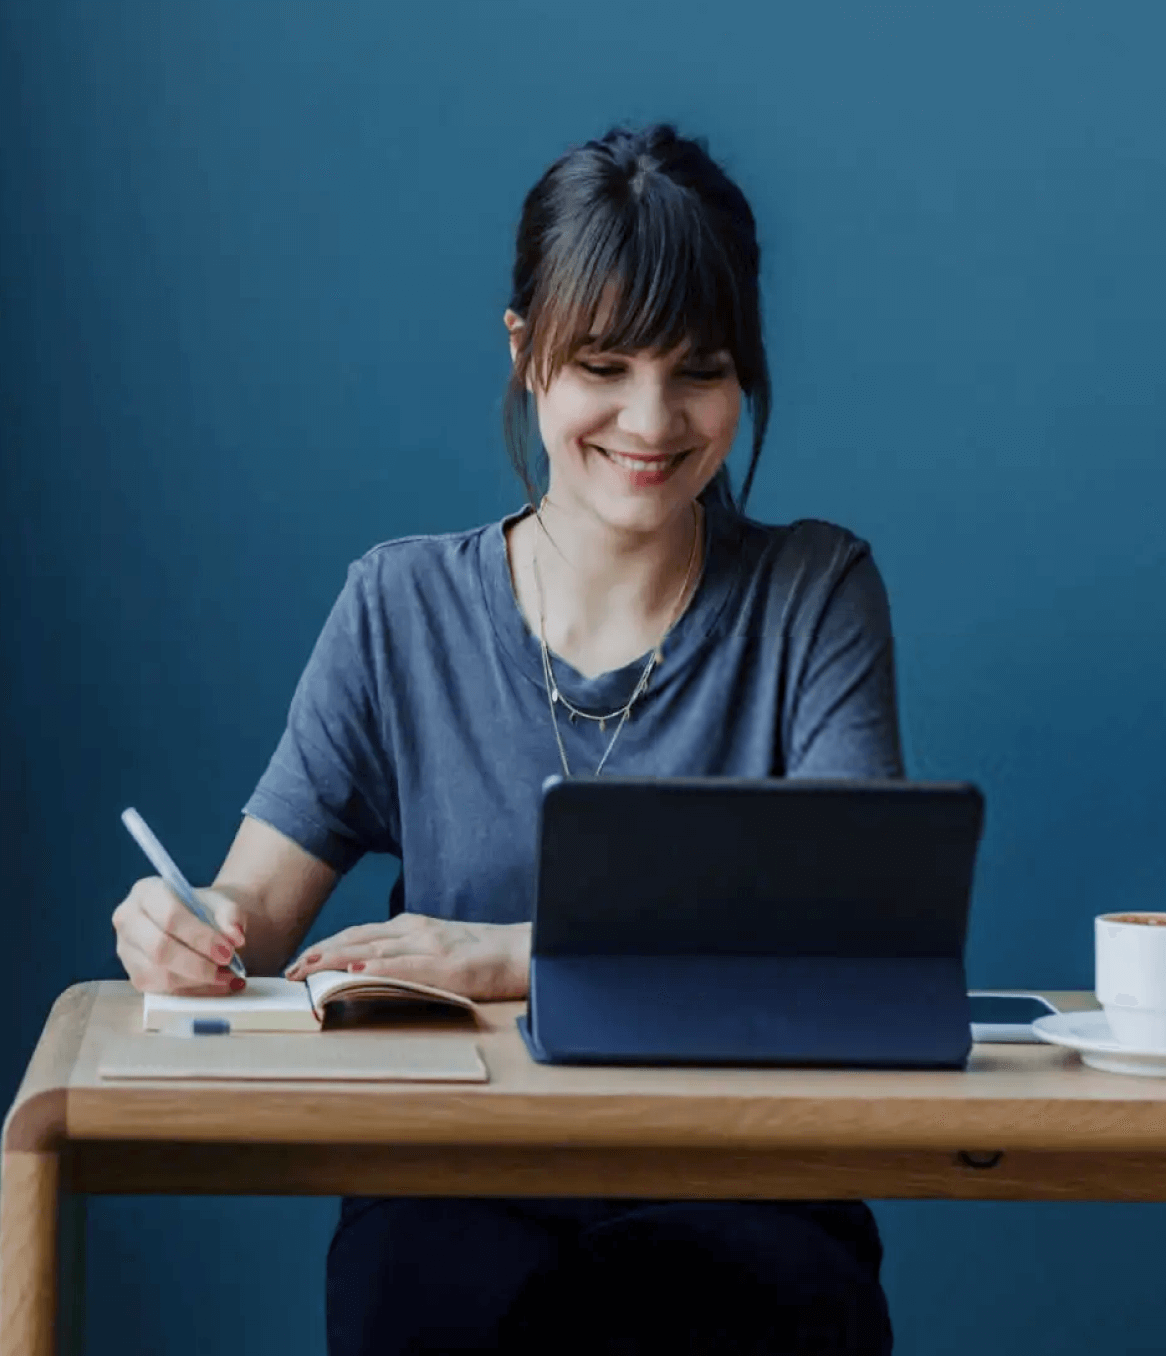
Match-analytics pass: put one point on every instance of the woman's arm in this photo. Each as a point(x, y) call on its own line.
point(279, 889)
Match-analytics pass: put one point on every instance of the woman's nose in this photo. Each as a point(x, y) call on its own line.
point(649, 413)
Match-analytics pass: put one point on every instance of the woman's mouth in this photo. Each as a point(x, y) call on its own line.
point(649, 466)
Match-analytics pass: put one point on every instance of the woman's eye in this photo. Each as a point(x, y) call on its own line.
point(705, 373)
point(699, 374)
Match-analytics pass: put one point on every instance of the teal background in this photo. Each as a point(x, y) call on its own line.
point(253, 260)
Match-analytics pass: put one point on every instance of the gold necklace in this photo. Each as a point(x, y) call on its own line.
point(555, 697)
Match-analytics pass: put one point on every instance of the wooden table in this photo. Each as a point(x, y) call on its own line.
point(1022, 1122)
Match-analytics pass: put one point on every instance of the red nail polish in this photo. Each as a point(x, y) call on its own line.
point(312, 959)
point(237, 983)
point(357, 965)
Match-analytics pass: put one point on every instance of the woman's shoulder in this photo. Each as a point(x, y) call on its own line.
point(789, 576)
point(433, 562)
point(802, 544)
point(443, 585)
point(422, 549)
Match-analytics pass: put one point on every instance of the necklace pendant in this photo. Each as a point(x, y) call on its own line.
point(602, 726)
point(554, 694)
point(571, 718)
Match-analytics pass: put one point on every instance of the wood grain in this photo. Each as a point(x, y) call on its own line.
point(28, 1254)
point(37, 1116)
point(185, 1168)
point(30, 1169)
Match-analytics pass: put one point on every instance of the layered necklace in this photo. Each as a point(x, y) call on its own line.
point(555, 698)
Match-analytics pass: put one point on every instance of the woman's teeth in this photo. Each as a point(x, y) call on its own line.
point(642, 463)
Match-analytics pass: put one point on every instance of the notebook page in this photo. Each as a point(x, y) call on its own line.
point(263, 994)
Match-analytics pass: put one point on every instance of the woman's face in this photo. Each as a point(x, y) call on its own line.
point(634, 437)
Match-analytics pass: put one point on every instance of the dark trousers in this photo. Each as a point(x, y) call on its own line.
point(605, 1276)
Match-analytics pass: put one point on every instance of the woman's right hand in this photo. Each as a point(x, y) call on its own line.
point(166, 949)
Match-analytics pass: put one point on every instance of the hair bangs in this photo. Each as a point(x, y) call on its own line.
point(651, 278)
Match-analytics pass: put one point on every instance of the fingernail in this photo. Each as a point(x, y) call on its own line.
point(237, 983)
point(312, 959)
point(357, 965)
point(222, 951)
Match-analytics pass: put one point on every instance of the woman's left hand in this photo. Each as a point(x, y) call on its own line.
point(480, 960)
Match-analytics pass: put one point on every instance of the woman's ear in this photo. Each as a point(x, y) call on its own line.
point(514, 322)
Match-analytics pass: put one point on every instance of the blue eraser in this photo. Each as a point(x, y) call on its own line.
point(210, 1026)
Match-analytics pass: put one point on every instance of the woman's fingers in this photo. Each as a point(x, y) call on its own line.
point(166, 941)
point(164, 947)
point(435, 970)
point(227, 915)
point(377, 939)
point(175, 920)
point(484, 973)
point(325, 957)
point(383, 950)
point(151, 976)
point(481, 960)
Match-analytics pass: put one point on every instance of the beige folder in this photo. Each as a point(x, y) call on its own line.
point(339, 1056)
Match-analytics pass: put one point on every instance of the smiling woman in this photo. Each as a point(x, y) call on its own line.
point(628, 616)
point(637, 244)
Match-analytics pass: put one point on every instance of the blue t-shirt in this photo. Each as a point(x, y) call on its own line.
point(421, 725)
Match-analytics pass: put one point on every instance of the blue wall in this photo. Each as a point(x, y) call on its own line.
point(253, 260)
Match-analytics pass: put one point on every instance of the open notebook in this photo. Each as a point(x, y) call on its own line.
point(274, 1004)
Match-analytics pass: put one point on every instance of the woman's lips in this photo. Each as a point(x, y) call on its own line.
point(632, 462)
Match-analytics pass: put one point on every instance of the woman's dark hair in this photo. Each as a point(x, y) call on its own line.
point(653, 214)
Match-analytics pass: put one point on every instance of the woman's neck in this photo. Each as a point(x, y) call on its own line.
point(607, 596)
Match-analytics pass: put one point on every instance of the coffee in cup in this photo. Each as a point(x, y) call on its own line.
point(1130, 953)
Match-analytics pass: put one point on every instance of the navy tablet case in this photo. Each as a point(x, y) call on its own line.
point(723, 921)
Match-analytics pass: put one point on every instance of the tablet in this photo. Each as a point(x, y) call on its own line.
point(725, 920)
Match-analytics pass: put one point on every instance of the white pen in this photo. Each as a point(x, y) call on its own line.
point(163, 863)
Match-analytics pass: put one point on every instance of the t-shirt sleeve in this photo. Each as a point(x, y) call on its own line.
point(330, 785)
point(841, 713)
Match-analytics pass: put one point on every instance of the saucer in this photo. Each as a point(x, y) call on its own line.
point(1089, 1033)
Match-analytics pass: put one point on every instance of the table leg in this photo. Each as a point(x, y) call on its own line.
point(29, 1187)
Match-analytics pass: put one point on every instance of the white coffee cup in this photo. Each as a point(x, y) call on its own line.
point(1130, 952)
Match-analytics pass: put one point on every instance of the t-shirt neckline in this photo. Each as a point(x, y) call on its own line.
point(608, 691)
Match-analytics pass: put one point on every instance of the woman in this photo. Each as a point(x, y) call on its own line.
point(630, 620)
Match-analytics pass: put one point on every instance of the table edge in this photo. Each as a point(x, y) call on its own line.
point(37, 1118)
